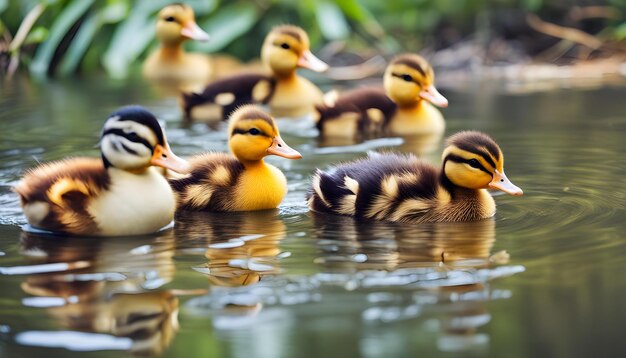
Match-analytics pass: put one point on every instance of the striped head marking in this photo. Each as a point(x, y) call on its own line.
point(473, 160)
point(409, 78)
point(286, 47)
point(254, 134)
point(133, 139)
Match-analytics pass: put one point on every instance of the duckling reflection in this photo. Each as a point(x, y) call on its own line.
point(437, 259)
point(104, 288)
point(242, 246)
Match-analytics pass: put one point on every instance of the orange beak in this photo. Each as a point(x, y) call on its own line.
point(308, 60)
point(191, 30)
point(501, 182)
point(164, 157)
point(433, 96)
point(281, 149)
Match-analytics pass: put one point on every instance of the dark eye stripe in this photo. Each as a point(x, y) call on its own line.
point(457, 159)
point(403, 76)
point(247, 131)
point(135, 138)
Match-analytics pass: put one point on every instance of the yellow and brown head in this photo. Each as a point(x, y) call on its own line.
point(286, 48)
point(473, 160)
point(409, 78)
point(132, 139)
point(254, 135)
point(177, 23)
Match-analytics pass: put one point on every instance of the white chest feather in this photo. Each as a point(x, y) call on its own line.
point(134, 204)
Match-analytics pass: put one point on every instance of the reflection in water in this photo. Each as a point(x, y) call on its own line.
point(234, 261)
point(103, 289)
point(416, 144)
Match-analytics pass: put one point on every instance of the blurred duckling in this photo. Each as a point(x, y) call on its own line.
point(120, 194)
point(403, 188)
point(404, 108)
point(288, 95)
point(220, 182)
point(176, 24)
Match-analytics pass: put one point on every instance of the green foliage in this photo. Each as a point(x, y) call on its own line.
point(84, 35)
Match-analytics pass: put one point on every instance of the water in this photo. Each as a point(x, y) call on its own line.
point(543, 278)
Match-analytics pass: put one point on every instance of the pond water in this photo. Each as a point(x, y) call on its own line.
point(542, 278)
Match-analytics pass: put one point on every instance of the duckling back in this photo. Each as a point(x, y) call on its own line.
point(391, 187)
point(361, 113)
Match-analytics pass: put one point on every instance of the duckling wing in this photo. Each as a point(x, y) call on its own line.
point(369, 108)
point(55, 196)
point(385, 187)
point(230, 93)
point(211, 183)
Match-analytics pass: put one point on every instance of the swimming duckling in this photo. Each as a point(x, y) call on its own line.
point(220, 182)
point(403, 108)
point(287, 94)
point(176, 24)
point(402, 188)
point(120, 194)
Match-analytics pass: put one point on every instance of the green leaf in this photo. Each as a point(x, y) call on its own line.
point(230, 22)
point(61, 25)
point(331, 21)
point(114, 12)
point(36, 35)
point(79, 45)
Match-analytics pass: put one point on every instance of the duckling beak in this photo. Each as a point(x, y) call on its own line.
point(164, 157)
point(433, 96)
point(281, 149)
point(191, 30)
point(501, 182)
point(308, 60)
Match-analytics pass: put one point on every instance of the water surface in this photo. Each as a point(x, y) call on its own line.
point(544, 277)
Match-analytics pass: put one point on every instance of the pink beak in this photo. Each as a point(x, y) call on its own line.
point(281, 149)
point(433, 96)
point(501, 182)
point(308, 60)
point(191, 30)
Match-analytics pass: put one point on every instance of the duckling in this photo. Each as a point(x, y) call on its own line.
point(402, 188)
point(288, 95)
point(219, 182)
point(176, 23)
point(120, 194)
point(403, 108)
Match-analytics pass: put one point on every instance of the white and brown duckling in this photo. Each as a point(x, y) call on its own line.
point(176, 24)
point(221, 182)
point(288, 95)
point(404, 107)
point(119, 194)
point(402, 188)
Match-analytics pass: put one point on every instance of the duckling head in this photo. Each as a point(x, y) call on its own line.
point(286, 48)
point(132, 139)
point(409, 78)
point(473, 160)
point(177, 23)
point(254, 135)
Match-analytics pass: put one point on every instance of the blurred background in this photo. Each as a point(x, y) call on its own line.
point(66, 37)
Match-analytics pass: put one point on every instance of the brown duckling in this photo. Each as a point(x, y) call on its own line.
point(220, 182)
point(120, 194)
point(288, 95)
point(403, 188)
point(405, 107)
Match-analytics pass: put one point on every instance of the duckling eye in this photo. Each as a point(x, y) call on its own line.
point(254, 131)
point(407, 78)
point(170, 19)
point(132, 136)
point(285, 45)
point(474, 163)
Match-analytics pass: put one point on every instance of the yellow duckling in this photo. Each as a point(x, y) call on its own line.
point(404, 108)
point(402, 188)
point(120, 194)
point(288, 95)
point(176, 24)
point(219, 182)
